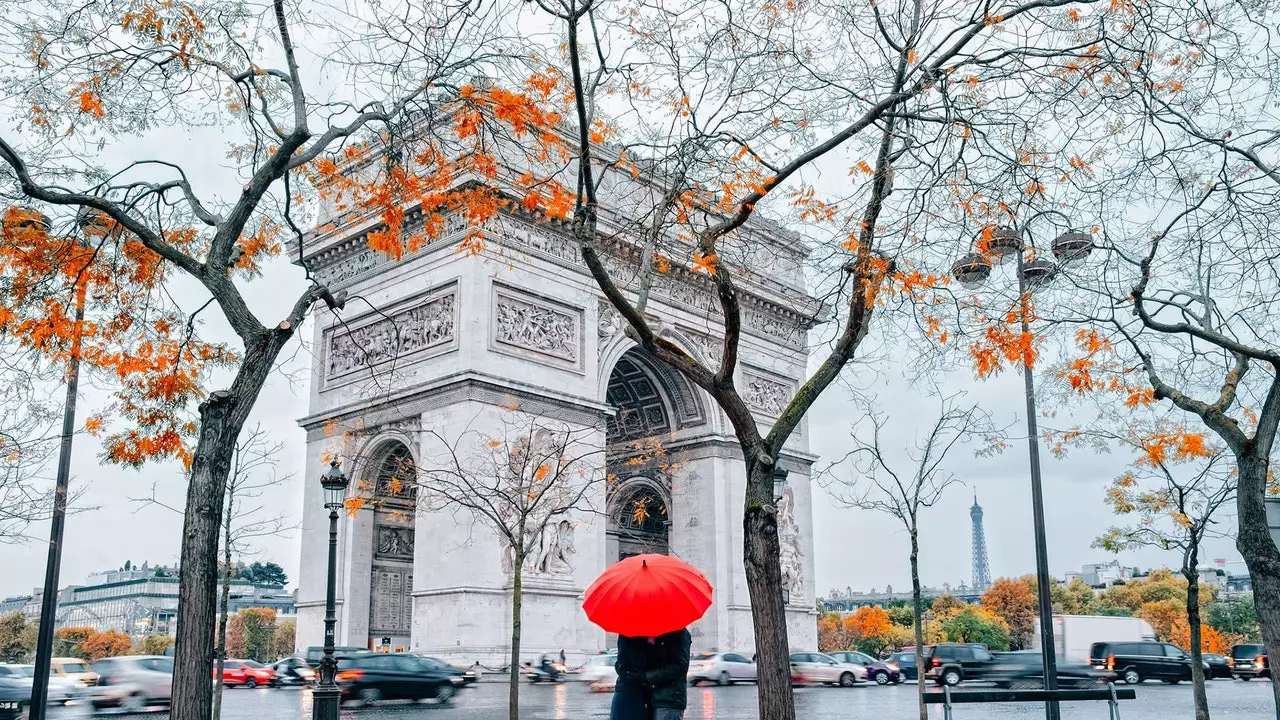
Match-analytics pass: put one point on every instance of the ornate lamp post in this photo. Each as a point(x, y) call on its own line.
point(972, 270)
point(325, 698)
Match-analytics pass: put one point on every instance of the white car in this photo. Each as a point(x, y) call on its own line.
point(132, 683)
point(721, 668)
point(60, 691)
point(823, 669)
point(600, 673)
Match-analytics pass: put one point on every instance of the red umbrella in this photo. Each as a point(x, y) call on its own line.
point(647, 595)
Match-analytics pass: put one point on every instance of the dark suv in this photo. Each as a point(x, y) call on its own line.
point(371, 677)
point(951, 663)
point(1249, 661)
point(1138, 661)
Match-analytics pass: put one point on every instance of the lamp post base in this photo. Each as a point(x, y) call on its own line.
point(324, 703)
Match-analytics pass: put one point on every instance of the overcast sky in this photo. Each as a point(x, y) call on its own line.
point(116, 529)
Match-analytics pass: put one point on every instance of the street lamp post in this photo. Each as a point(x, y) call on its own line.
point(325, 698)
point(53, 565)
point(974, 269)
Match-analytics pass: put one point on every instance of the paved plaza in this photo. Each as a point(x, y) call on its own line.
point(488, 701)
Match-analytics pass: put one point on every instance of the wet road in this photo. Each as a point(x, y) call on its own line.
point(488, 701)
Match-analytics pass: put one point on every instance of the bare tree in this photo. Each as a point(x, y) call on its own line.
point(1176, 491)
point(27, 440)
point(882, 485)
point(529, 482)
point(730, 105)
point(119, 74)
point(253, 470)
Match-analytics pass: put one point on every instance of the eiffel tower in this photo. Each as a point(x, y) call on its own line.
point(981, 572)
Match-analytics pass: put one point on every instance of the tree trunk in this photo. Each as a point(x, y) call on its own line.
point(1254, 542)
point(1193, 622)
point(222, 417)
point(223, 601)
point(517, 601)
point(762, 556)
point(917, 607)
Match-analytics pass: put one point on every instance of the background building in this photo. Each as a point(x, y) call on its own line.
point(144, 601)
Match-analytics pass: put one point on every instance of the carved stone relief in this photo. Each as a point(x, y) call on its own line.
point(347, 268)
point(609, 324)
point(428, 324)
point(792, 553)
point(693, 294)
point(551, 554)
point(394, 542)
point(767, 395)
point(537, 326)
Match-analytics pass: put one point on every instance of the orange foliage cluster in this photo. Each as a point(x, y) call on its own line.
point(433, 183)
point(155, 363)
point(1174, 445)
point(1082, 373)
point(1006, 342)
point(1211, 641)
point(168, 23)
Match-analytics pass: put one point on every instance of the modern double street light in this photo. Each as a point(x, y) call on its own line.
point(325, 698)
point(973, 270)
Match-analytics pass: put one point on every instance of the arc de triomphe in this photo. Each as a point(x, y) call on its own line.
point(439, 339)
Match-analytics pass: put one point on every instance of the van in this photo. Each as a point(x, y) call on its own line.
point(1138, 661)
point(1249, 661)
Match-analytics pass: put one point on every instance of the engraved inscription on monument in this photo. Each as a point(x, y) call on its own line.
point(390, 609)
point(545, 328)
point(427, 324)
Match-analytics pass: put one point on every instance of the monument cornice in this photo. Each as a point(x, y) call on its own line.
point(770, 309)
point(459, 387)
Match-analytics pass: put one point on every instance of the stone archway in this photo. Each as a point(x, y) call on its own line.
point(647, 413)
point(391, 573)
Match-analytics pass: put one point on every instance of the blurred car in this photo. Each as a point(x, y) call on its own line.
point(247, 673)
point(1216, 666)
point(132, 683)
point(1249, 660)
point(953, 663)
point(600, 673)
point(61, 690)
point(469, 675)
point(315, 652)
point(15, 695)
point(821, 669)
point(372, 677)
point(720, 668)
point(1024, 670)
point(293, 671)
point(882, 672)
point(1145, 660)
point(73, 669)
point(906, 664)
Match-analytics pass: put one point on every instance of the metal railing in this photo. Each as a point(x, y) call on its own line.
point(1110, 693)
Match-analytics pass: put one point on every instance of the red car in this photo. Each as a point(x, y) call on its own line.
point(247, 673)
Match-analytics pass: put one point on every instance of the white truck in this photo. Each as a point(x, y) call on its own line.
point(1074, 634)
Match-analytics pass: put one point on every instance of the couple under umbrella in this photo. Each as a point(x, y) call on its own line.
point(649, 601)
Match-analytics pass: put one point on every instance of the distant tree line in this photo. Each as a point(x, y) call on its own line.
point(252, 633)
point(1005, 616)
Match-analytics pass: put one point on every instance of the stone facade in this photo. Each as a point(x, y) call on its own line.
point(461, 342)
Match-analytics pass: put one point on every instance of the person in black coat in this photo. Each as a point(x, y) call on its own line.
point(652, 677)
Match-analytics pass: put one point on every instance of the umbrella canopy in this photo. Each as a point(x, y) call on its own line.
point(647, 595)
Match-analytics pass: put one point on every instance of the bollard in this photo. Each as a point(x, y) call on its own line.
point(946, 707)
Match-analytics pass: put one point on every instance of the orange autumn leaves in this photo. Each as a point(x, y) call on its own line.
point(147, 352)
point(453, 176)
